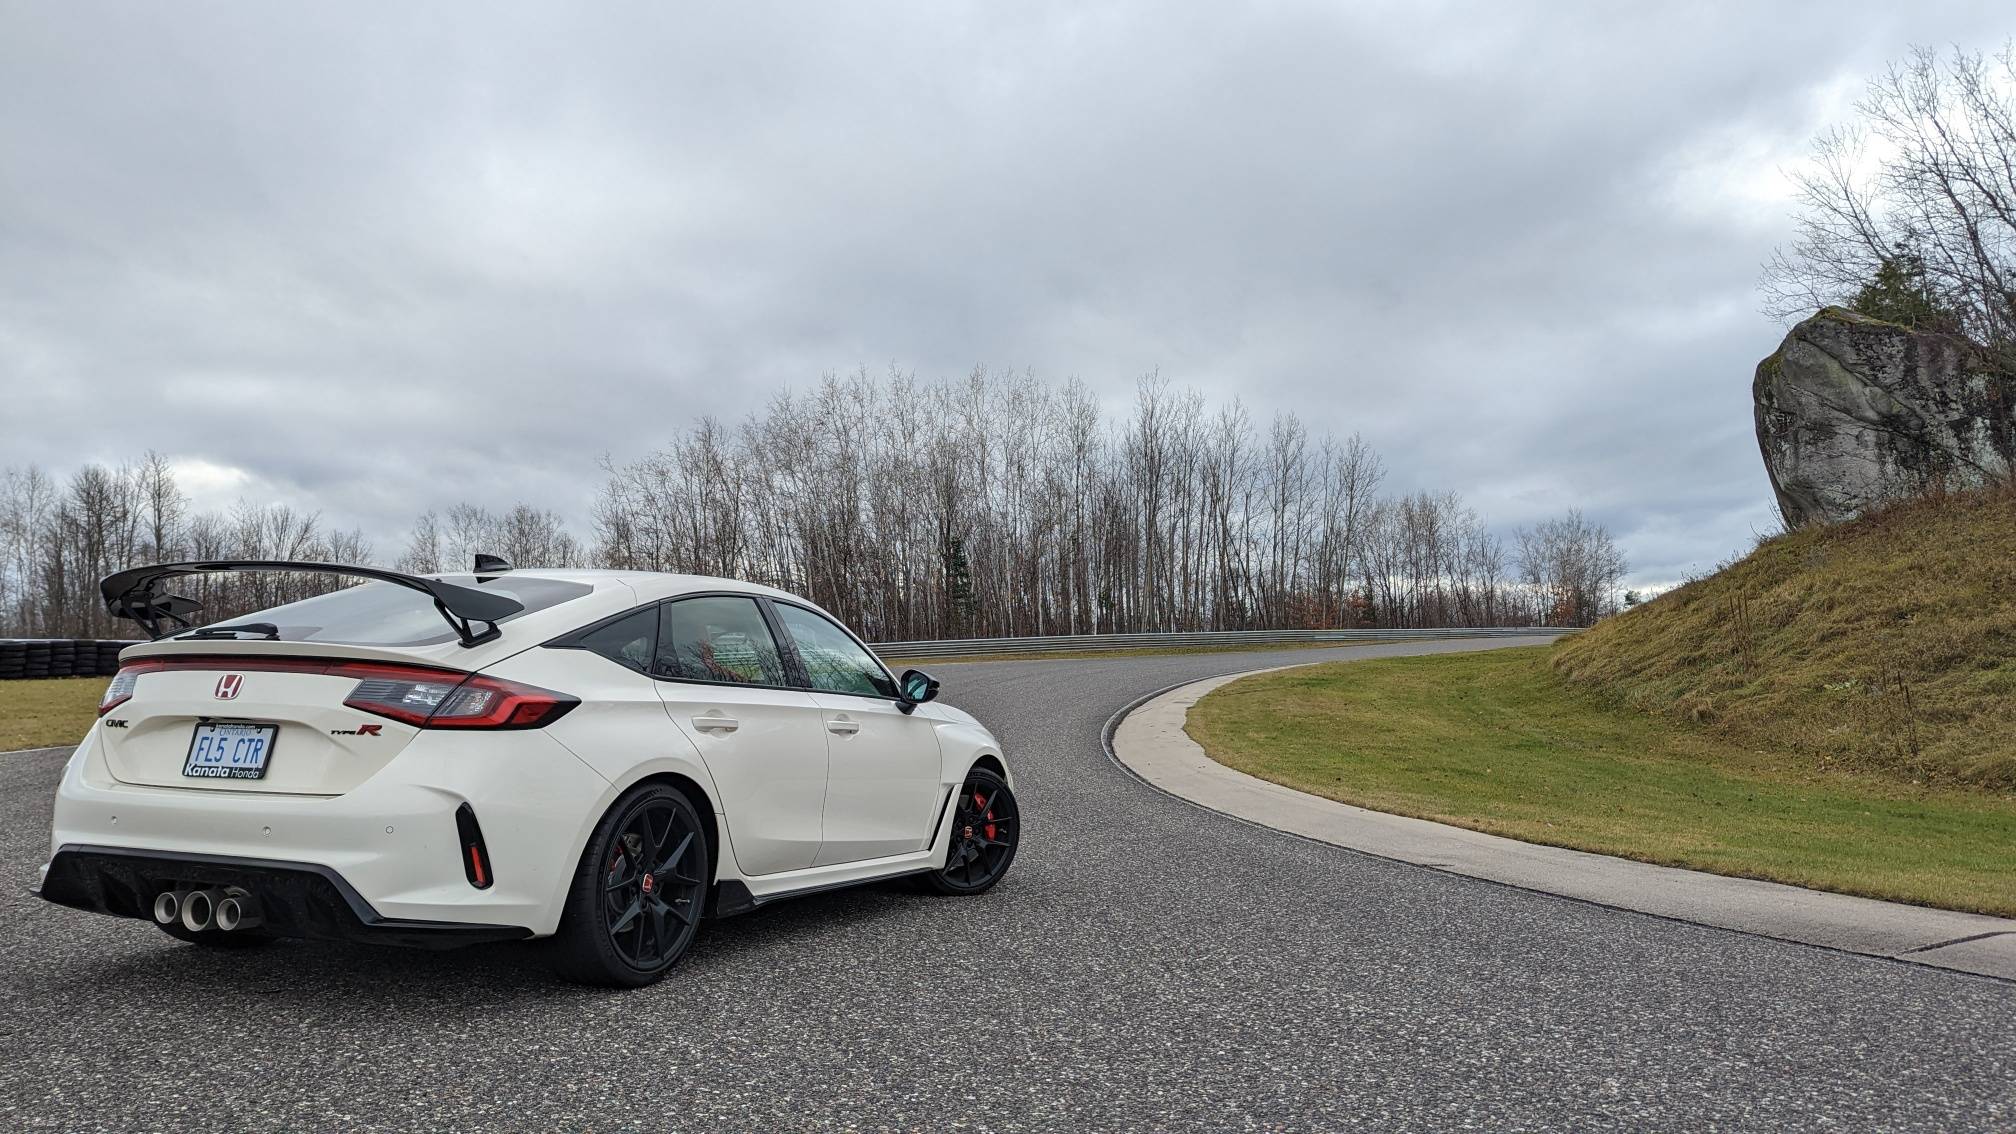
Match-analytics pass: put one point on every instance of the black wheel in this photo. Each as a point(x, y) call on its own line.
point(638, 893)
point(985, 828)
point(216, 938)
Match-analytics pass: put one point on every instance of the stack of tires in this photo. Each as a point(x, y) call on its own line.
point(58, 657)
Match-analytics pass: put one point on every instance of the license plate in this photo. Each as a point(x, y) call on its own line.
point(230, 751)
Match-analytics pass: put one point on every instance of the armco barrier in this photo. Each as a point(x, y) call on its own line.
point(87, 657)
point(1079, 643)
point(59, 657)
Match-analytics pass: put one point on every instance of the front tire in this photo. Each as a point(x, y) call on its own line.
point(637, 894)
point(986, 827)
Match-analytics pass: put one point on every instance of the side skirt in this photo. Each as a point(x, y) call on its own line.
point(733, 897)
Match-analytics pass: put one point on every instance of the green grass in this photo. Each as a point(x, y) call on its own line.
point(47, 712)
point(1499, 742)
point(1886, 644)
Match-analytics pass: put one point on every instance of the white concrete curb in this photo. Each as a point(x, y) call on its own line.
point(66, 748)
point(1151, 742)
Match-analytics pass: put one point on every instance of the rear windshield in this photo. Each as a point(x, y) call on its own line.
point(382, 614)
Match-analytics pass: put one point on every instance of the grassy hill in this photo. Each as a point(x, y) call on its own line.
point(1887, 644)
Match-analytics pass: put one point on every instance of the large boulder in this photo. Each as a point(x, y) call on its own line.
point(1852, 411)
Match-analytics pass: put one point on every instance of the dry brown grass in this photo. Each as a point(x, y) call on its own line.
point(1885, 644)
point(48, 712)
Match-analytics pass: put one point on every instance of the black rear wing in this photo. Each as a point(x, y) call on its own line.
point(139, 594)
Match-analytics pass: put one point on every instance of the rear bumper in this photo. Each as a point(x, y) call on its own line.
point(393, 840)
point(297, 899)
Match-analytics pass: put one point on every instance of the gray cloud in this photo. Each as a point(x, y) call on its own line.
point(378, 257)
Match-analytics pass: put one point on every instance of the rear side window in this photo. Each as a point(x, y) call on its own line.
point(720, 638)
point(381, 614)
point(834, 661)
point(629, 641)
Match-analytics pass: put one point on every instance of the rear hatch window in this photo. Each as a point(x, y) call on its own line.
point(381, 614)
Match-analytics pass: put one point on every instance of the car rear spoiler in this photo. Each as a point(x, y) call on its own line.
point(138, 593)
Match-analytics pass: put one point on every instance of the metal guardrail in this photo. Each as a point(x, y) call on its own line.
point(1085, 643)
point(67, 657)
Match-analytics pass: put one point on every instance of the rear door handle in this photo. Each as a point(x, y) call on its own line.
point(716, 723)
point(841, 726)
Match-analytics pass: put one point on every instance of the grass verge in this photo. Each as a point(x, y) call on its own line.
point(47, 712)
point(1496, 741)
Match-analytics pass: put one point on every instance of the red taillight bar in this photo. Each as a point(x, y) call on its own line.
point(507, 704)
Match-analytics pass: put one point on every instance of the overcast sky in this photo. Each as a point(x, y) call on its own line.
point(371, 258)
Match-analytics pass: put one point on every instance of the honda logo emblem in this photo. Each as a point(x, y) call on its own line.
point(228, 686)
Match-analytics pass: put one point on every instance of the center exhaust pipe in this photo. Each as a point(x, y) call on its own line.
point(199, 907)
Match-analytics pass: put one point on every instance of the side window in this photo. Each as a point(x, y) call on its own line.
point(628, 641)
point(834, 661)
point(717, 639)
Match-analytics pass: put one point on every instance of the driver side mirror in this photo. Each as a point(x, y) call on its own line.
point(918, 686)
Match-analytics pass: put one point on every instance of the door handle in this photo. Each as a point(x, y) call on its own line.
point(841, 726)
point(723, 724)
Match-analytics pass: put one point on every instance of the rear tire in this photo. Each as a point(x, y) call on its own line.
point(986, 828)
point(637, 894)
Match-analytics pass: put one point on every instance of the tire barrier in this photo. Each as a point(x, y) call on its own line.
point(23, 658)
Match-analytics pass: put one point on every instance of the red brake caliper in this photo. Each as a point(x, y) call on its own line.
point(981, 801)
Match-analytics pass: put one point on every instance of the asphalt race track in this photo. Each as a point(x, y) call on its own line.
point(1145, 966)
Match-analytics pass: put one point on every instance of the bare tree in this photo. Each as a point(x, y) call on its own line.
point(1573, 567)
point(1919, 194)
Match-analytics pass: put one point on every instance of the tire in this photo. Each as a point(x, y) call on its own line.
point(986, 828)
point(216, 938)
point(623, 927)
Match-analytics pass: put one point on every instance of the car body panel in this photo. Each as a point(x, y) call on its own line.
point(884, 778)
point(319, 748)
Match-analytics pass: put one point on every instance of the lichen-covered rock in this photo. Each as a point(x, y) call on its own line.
point(1852, 411)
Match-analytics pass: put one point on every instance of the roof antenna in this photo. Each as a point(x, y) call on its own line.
point(490, 566)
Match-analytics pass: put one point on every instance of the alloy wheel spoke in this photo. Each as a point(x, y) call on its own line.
point(647, 853)
point(629, 915)
point(657, 916)
point(678, 852)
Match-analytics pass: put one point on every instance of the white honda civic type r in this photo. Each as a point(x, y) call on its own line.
point(604, 758)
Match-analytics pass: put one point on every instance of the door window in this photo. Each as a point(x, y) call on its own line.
point(834, 661)
point(629, 641)
point(718, 638)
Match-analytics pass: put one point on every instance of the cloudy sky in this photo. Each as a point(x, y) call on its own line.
point(367, 258)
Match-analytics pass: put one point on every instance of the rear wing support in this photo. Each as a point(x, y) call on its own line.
point(139, 594)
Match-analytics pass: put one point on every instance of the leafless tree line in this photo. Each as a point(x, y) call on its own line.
point(1001, 505)
point(991, 505)
point(58, 539)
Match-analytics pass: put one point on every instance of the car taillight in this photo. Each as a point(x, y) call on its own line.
point(121, 689)
point(432, 699)
point(124, 682)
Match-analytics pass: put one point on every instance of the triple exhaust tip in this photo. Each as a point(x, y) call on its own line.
point(199, 910)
